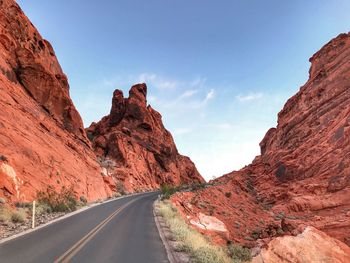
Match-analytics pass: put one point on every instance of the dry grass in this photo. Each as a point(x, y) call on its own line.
point(191, 241)
point(5, 214)
point(17, 216)
point(42, 208)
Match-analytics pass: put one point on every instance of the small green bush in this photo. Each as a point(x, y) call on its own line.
point(19, 216)
point(256, 233)
point(167, 191)
point(42, 208)
point(198, 186)
point(63, 201)
point(239, 253)
point(207, 255)
point(280, 215)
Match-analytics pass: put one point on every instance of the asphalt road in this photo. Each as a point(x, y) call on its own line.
point(122, 231)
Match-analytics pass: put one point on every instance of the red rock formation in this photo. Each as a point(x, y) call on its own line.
point(310, 246)
point(135, 149)
point(302, 176)
point(42, 140)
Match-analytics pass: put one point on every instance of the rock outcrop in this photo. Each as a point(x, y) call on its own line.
point(135, 150)
point(302, 177)
point(42, 139)
point(311, 245)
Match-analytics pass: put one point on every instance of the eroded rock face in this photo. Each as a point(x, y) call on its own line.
point(135, 149)
point(29, 60)
point(302, 176)
point(310, 246)
point(42, 140)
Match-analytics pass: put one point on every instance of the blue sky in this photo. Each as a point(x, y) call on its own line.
point(218, 71)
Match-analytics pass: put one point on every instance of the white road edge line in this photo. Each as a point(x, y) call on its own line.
point(168, 250)
point(66, 216)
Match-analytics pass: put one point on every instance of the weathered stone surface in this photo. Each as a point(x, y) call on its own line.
point(135, 148)
point(42, 140)
point(310, 246)
point(302, 176)
point(29, 61)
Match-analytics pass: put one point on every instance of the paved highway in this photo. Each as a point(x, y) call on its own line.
point(122, 231)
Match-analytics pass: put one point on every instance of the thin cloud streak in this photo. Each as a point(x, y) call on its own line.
point(249, 97)
point(189, 93)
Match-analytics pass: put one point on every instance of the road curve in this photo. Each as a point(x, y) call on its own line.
point(122, 231)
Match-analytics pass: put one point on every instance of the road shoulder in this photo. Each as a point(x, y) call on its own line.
point(168, 239)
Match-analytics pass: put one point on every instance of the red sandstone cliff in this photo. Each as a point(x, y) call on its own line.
point(134, 148)
point(42, 139)
point(302, 176)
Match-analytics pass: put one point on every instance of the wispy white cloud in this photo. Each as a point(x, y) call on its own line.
point(196, 102)
point(249, 97)
point(210, 95)
point(189, 93)
point(157, 81)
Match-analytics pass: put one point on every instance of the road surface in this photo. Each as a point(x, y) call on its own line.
point(122, 231)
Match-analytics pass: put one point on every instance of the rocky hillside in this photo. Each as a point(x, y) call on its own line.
point(42, 139)
point(135, 149)
point(302, 176)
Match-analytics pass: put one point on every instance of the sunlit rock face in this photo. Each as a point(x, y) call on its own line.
point(302, 176)
point(135, 148)
point(311, 245)
point(42, 139)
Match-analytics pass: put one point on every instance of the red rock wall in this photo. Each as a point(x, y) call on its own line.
point(42, 140)
point(134, 147)
point(303, 174)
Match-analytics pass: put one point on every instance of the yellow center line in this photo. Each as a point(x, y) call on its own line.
point(70, 253)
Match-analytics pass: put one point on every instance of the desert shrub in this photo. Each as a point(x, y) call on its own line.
point(239, 253)
point(19, 216)
point(106, 162)
point(23, 205)
point(189, 240)
point(5, 214)
point(167, 191)
point(256, 233)
point(280, 215)
point(207, 255)
point(43, 208)
point(63, 201)
point(121, 188)
point(83, 200)
point(115, 195)
point(198, 186)
point(3, 158)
